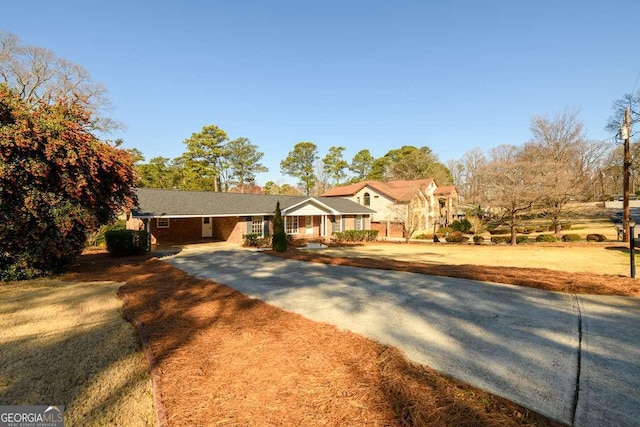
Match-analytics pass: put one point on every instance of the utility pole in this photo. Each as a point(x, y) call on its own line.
point(624, 134)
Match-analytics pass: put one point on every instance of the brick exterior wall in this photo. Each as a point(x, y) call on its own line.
point(230, 229)
point(181, 230)
point(394, 229)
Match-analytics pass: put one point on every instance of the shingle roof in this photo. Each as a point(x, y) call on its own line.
point(444, 190)
point(400, 190)
point(176, 203)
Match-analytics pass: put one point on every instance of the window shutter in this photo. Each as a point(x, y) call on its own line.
point(333, 224)
point(249, 225)
point(344, 222)
point(265, 227)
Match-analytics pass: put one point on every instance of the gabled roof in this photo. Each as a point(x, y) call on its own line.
point(177, 203)
point(399, 191)
point(444, 190)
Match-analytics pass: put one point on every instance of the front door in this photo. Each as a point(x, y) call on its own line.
point(207, 227)
point(309, 225)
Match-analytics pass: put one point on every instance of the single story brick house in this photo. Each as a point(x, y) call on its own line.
point(175, 216)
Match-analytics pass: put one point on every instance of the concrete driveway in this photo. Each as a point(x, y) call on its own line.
point(575, 359)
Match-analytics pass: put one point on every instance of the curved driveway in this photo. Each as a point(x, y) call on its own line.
point(575, 359)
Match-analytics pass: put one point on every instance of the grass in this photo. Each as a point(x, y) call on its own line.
point(65, 343)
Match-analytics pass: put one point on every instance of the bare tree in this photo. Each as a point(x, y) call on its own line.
point(473, 162)
point(410, 216)
point(38, 75)
point(510, 185)
point(564, 162)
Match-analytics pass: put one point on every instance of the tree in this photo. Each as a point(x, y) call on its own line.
point(273, 188)
point(160, 172)
point(244, 158)
point(300, 162)
point(563, 160)
point(58, 182)
point(361, 165)
point(409, 163)
point(279, 236)
point(629, 100)
point(334, 165)
point(410, 216)
point(37, 76)
point(203, 157)
point(510, 185)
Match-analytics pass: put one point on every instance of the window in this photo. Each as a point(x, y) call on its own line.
point(367, 199)
point(358, 223)
point(257, 225)
point(163, 222)
point(292, 225)
point(337, 224)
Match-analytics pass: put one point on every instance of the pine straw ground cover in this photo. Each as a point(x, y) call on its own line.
point(221, 358)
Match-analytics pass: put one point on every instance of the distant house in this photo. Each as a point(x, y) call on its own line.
point(397, 204)
point(173, 216)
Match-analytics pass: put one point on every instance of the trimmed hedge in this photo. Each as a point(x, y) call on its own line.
point(571, 238)
point(522, 239)
point(596, 238)
point(355, 236)
point(478, 240)
point(126, 242)
point(546, 238)
point(456, 237)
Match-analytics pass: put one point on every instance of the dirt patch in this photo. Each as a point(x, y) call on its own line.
point(225, 359)
point(65, 343)
point(552, 280)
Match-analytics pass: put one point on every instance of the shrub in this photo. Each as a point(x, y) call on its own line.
point(546, 238)
point(256, 241)
point(442, 231)
point(500, 239)
point(462, 226)
point(478, 240)
point(501, 230)
point(456, 237)
point(423, 236)
point(571, 238)
point(126, 242)
point(522, 239)
point(596, 238)
point(355, 236)
point(97, 238)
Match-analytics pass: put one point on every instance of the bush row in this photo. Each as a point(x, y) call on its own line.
point(355, 236)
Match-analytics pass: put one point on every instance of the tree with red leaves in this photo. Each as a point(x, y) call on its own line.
point(58, 182)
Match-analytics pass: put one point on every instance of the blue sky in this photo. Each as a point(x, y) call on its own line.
point(451, 75)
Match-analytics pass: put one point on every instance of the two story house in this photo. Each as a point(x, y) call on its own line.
point(403, 207)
